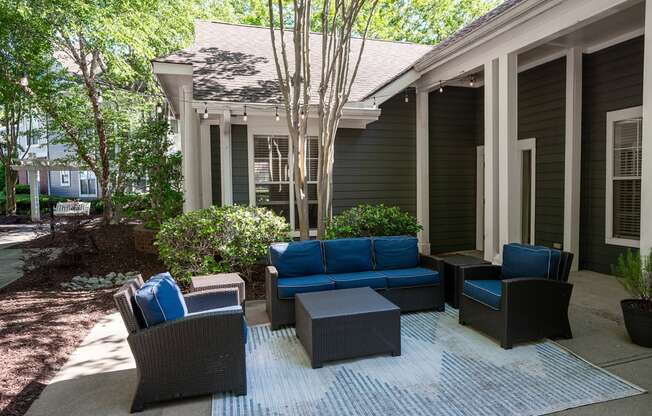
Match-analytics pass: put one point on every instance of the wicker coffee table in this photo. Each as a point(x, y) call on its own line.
point(347, 323)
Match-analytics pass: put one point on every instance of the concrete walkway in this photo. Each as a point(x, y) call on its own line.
point(100, 375)
point(12, 259)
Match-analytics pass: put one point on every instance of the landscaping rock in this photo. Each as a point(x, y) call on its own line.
point(87, 282)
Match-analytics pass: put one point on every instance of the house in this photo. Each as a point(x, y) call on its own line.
point(40, 143)
point(525, 126)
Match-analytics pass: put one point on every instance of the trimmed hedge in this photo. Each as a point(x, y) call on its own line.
point(372, 220)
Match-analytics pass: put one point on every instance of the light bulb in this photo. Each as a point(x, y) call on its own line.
point(244, 116)
point(407, 99)
point(205, 111)
point(159, 109)
point(23, 80)
point(277, 117)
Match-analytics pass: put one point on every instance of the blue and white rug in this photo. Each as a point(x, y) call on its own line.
point(444, 369)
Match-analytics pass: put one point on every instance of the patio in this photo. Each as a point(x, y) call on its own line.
point(99, 377)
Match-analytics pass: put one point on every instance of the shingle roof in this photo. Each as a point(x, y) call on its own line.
point(236, 63)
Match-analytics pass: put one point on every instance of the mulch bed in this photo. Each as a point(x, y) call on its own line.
point(41, 324)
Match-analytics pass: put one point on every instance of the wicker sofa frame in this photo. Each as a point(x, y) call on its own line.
point(196, 355)
point(409, 299)
point(530, 308)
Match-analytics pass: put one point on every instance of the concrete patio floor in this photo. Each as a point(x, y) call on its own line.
point(100, 376)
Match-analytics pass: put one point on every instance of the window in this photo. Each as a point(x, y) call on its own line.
point(87, 183)
point(623, 188)
point(64, 176)
point(274, 184)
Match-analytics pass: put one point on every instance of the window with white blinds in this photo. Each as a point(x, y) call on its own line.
point(624, 156)
point(273, 180)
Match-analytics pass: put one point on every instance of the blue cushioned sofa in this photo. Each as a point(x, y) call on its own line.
point(523, 300)
point(390, 265)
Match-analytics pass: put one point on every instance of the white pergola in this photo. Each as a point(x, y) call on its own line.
point(33, 165)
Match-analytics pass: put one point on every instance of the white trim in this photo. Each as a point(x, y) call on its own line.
point(612, 117)
point(226, 168)
point(491, 180)
point(646, 143)
point(540, 61)
point(479, 198)
point(614, 41)
point(61, 175)
point(392, 88)
point(168, 68)
point(507, 150)
point(422, 171)
point(524, 145)
point(91, 174)
point(573, 154)
point(205, 156)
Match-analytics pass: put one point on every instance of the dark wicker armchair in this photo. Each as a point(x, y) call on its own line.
point(200, 354)
point(523, 309)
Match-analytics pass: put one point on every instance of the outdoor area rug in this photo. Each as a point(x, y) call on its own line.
point(444, 369)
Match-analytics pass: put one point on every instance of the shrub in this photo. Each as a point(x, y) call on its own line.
point(371, 220)
point(218, 239)
point(22, 189)
point(635, 274)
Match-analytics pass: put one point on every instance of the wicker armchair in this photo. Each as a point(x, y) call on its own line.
point(200, 354)
point(526, 308)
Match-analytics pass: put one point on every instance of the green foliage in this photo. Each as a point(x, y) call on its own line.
point(218, 239)
point(152, 162)
point(635, 274)
point(22, 189)
point(371, 220)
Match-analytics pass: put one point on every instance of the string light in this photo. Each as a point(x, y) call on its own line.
point(471, 81)
point(303, 116)
point(159, 109)
point(277, 117)
point(441, 87)
point(205, 111)
point(244, 116)
point(23, 80)
point(100, 99)
point(375, 106)
point(407, 99)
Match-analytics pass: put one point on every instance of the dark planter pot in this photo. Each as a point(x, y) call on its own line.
point(144, 239)
point(638, 321)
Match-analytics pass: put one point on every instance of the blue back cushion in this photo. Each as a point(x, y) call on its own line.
point(396, 252)
point(348, 255)
point(299, 258)
point(522, 260)
point(160, 300)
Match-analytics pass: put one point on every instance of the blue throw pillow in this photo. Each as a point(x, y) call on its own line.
point(348, 255)
point(522, 260)
point(396, 252)
point(299, 258)
point(160, 300)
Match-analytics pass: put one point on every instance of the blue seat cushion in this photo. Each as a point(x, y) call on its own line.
point(299, 258)
point(484, 291)
point(521, 260)
point(290, 286)
point(415, 276)
point(374, 280)
point(348, 255)
point(160, 300)
point(396, 252)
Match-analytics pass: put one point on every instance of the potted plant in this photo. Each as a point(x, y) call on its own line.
point(635, 273)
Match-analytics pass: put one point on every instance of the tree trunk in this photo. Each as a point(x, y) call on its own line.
point(11, 179)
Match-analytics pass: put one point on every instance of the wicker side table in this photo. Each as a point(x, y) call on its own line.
point(219, 281)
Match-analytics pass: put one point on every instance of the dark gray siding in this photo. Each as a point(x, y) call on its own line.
point(612, 80)
point(378, 164)
point(71, 191)
point(216, 172)
point(541, 114)
point(453, 157)
point(239, 161)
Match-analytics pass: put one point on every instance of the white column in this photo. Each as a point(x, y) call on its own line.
point(491, 184)
point(423, 183)
point(34, 191)
point(225, 159)
point(646, 168)
point(573, 153)
point(190, 146)
point(509, 216)
point(205, 155)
